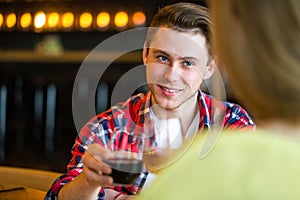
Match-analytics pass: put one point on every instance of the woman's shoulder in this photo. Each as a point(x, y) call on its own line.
point(239, 165)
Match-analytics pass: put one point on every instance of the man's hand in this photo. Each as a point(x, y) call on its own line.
point(96, 172)
point(112, 194)
point(88, 184)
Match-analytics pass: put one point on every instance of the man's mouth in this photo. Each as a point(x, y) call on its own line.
point(169, 91)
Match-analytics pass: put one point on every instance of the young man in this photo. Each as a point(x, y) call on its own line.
point(177, 59)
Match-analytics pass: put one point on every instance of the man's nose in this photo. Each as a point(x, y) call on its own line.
point(172, 73)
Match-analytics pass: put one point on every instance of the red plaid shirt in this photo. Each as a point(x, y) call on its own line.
point(127, 117)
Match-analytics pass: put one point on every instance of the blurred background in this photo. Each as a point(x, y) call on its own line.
point(42, 45)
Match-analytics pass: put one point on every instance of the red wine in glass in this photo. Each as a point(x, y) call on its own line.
point(125, 171)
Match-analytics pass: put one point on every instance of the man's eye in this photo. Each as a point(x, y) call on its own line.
point(163, 58)
point(187, 63)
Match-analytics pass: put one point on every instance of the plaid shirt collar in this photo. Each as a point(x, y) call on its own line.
point(143, 113)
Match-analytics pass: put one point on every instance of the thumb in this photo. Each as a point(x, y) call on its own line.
point(97, 151)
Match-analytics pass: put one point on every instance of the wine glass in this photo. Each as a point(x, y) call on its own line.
point(126, 164)
point(164, 144)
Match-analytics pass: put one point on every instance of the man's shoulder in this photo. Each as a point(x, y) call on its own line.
point(233, 114)
point(126, 109)
point(211, 102)
point(134, 102)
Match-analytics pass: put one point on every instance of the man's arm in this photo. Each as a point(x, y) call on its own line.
point(78, 177)
point(83, 169)
point(79, 188)
point(87, 185)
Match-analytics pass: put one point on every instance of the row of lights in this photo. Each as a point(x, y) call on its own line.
point(41, 21)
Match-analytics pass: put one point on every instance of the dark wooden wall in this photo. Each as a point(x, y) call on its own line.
point(36, 122)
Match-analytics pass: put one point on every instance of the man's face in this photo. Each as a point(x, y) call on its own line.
point(175, 66)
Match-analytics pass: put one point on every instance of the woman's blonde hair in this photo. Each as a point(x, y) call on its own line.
point(258, 42)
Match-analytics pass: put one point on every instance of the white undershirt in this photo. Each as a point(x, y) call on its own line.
point(168, 131)
point(169, 134)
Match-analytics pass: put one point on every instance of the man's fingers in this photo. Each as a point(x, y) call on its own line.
point(96, 170)
point(102, 180)
point(95, 164)
point(97, 151)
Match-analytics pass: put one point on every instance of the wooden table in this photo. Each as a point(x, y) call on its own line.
point(21, 183)
point(13, 192)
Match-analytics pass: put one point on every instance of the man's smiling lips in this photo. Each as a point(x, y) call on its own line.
point(169, 91)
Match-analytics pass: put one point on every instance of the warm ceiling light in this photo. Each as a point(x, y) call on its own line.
point(1, 19)
point(85, 20)
point(39, 20)
point(103, 19)
point(11, 20)
point(121, 19)
point(67, 20)
point(139, 18)
point(25, 20)
point(52, 19)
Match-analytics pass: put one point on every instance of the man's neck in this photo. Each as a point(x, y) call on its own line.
point(185, 113)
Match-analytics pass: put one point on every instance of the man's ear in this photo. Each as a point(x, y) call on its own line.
point(145, 53)
point(211, 68)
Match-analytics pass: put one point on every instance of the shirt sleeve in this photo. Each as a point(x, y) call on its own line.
point(237, 118)
point(75, 166)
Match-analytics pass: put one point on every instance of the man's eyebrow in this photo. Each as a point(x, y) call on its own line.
point(190, 58)
point(160, 52)
point(157, 51)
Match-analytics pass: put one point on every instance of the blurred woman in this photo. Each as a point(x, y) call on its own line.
point(258, 44)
